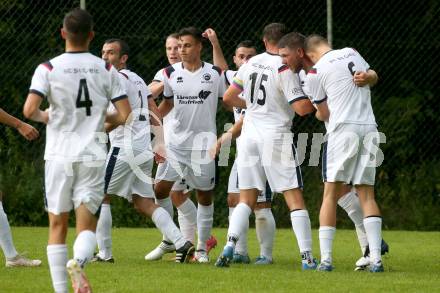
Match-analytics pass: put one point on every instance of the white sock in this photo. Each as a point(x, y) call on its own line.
point(165, 224)
point(303, 232)
point(373, 227)
point(241, 246)
point(265, 228)
point(57, 259)
point(205, 218)
point(84, 247)
point(326, 236)
point(350, 203)
point(104, 232)
point(187, 212)
point(6, 242)
point(231, 210)
point(167, 204)
point(238, 223)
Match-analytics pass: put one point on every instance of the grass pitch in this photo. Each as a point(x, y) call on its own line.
point(413, 265)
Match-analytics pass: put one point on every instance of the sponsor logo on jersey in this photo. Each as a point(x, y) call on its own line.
point(179, 79)
point(199, 99)
point(297, 91)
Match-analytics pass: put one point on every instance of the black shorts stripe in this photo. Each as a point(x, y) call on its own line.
point(324, 162)
point(268, 192)
point(298, 168)
point(110, 167)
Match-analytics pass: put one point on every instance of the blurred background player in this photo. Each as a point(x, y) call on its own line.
point(13, 258)
point(264, 220)
point(78, 87)
point(192, 87)
point(291, 50)
point(130, 160)
point(266, 151)
point(351, 129)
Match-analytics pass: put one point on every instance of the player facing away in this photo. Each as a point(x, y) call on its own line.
point(266, 151)
point(180, 192)
point(78, 87)
point(291, 50)
point(130, 160)
point(13, 258)
point(192, 88)
point(351, 141)
point(264, 220)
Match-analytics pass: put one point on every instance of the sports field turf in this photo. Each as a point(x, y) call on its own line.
point(413, 265)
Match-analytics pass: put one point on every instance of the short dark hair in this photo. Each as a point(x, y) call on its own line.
point(78, 23)
point(191, 31)
point(312, 41)
point(274, 32)
point(125, 49)
point(246, 44)
point(292, 40)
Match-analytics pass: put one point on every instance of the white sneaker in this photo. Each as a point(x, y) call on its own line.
point(362, 263)
point(80, 284)
point(160, 250)
point(22, 261)
point(201, 256)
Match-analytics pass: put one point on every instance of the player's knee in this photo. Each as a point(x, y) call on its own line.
point(233, 200)
point(263, 205)
point(178, 198)
point(204, 197)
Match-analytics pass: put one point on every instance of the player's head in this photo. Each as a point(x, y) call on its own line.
point(244, 51)
point(115, 51)
point(190, 44)
point(315, 46)
point(78, 27)
point(172, 48)
point(291, 50)
point(272, 33)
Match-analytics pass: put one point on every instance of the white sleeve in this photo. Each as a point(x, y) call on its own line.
point(40, 81)
point(159, 76)
point(316, 90)
point(117, 88)
point(290, 85)
point(167, 89)
point(364, 64)
point(222, 85)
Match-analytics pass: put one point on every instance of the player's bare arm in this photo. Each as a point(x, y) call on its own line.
point(121, 115)
point(229, 135)
point(165, 107)
point(303, 107)
point(322, 112)
point(32, 109)
point(26, 130)
point(231, 98)
point(217, 53)
point(156, 88)
point(362, 78)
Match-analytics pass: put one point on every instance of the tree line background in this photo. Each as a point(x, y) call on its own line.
point(399, 39)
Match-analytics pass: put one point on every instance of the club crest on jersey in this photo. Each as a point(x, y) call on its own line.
point(179, 79)
point(206, 78)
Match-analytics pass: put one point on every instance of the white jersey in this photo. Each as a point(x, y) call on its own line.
point(229, 77)
point(268, 88)
point(78, 86)
point(195, 97)
point(167, 124)
point(331, 79)
point(135, 135)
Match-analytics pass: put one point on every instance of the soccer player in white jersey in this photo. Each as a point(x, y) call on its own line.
point(187, 211)
point(351, 140)
point(264, 220)
point(130, 160)
point(192, 87)
point(13, 258)
point(78, 87)
point(291, 50)
point(266, 149)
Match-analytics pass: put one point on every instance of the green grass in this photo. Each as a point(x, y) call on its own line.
point(412, 266)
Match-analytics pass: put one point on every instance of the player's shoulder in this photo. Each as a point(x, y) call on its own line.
point(169, 70)
point(229, 76)
point(208, 67)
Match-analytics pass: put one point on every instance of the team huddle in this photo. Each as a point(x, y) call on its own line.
point(172, 122)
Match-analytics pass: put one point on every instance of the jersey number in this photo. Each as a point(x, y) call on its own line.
point(84, 91)
point(256, 88)
point(141, 117)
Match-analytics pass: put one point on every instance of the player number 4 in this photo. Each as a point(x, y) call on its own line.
point(84, 91)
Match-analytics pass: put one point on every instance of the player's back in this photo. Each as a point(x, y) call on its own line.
point(78, 87)
point(136, 133)
point(347, 102)
point(268, 86)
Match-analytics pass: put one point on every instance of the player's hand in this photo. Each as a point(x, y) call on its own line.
point(215, 149)
point(361, 78)
point(27, 131)
point(159, 151)
point(158, 158)
point(211, 35)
